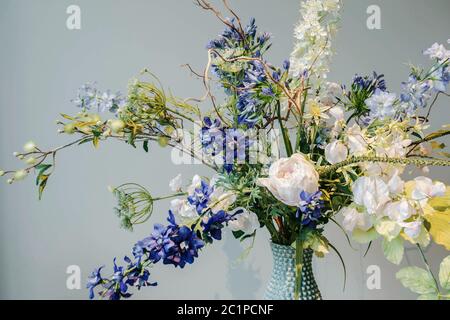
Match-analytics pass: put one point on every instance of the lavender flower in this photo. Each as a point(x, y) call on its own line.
point(415, 94)
point(381, 104)
point(90, 98)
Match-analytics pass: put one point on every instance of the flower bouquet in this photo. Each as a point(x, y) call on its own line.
point(291, 153)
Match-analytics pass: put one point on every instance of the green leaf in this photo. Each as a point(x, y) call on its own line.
point(444, 273)
point(238, 234)
point(363, 237)
point(42, 185)
point(41, 170)
point(85, 141)
point(95, 142)
point(145, 145)
point(417, 280)
point(393, 250)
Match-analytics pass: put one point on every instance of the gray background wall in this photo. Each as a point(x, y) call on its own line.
point(42, 64)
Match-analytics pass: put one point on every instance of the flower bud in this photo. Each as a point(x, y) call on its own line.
point(2, 173)
point(30, 146)
point(20, 157)
point(117, 125)
point(10, 181)
point(111, 189)
point(20, 175)
point(16, 154)
point(30, 161)
point(69, 128)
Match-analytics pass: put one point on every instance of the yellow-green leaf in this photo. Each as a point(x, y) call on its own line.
point(364, 237)
point(393, 250)
point(440, 227)
point(417, 280)
point(441, 203)
point(444, 273)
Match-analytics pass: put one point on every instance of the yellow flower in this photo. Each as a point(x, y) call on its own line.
point(316, 111)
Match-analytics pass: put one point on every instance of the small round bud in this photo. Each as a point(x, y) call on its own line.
point(16, 154)
point(10, 181)
point(117, 126)
point(111, 189)
point(20, 175)
point(20, 157)
point(30, 146)
point(2, 173)
point(31, 161)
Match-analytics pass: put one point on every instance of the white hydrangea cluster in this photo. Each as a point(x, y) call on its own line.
point(312, 48)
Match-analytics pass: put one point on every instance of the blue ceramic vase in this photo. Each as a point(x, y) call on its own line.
point(282, 283)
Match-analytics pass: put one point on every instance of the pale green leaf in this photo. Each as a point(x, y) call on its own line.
point(417, 280)
point(393, 250)
point(428, 296)
point(444, 273)
point(364, 237)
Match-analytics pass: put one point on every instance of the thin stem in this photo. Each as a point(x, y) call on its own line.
point(424, 258)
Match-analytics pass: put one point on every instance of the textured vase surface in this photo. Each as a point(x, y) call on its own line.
point(282, 283)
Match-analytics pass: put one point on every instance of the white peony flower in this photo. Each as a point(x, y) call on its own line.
point(370, 192)
point(424, 189)
point(245, 221)
point(176, 183)
point(288, 177)
point(355, 219)
point(336, 152)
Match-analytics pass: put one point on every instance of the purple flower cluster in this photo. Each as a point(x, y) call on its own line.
point(232, 143)
point(251, 85)
point(415, 94)
point(213, 225)
point(201, 197)
point(174, 244)
point(135, 274)
point(369, 84)
point(310, 209)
